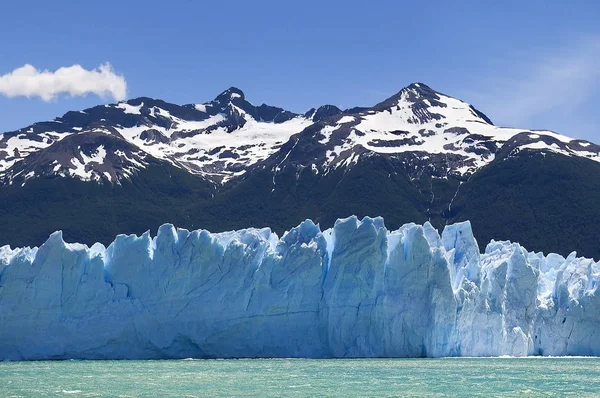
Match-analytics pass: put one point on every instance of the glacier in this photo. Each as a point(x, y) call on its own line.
point(355, 290)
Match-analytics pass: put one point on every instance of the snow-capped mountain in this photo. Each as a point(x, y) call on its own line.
point(428, 131)
point(88, 156)
point(417, 156)
point(223, 138)
point(218, 139)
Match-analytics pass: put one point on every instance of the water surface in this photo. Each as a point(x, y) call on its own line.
point(456, 377)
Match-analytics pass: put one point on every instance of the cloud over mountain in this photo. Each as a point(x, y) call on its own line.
point(28, 81)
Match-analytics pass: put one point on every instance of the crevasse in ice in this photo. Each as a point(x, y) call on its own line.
point(356, 290)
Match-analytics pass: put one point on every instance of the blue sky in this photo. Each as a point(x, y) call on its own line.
point(531, 64)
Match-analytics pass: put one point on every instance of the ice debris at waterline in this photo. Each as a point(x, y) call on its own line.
point(357, 290)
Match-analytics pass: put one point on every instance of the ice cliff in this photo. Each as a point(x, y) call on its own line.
point(356, 290)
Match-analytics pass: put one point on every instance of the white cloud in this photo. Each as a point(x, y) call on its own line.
point(547, 88)
point(27, 81)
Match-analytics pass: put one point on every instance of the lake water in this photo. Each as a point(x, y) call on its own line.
point(456, 377)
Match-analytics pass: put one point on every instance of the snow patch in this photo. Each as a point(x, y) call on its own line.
point(131, 109)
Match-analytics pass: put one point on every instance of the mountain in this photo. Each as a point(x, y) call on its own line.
point(417, 156)
point(357, 290)
point(430, 132)
point(196, 138)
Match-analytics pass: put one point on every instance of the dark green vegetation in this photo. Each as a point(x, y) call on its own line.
point(87, 212)
point(372, 189)
point(547, 202)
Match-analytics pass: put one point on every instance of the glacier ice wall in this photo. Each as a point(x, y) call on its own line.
point(356, 290)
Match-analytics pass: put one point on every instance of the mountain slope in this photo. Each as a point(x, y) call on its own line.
point(90, 212)
point(545, 199)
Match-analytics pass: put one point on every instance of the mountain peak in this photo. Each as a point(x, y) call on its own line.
point(139, 100)
point(417, 94)
point(425, 104)
point(416, 91)
point(322, 112)
point(418, 86)
point(232, 93)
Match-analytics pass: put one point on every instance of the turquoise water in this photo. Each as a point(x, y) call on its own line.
point(472, 377)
